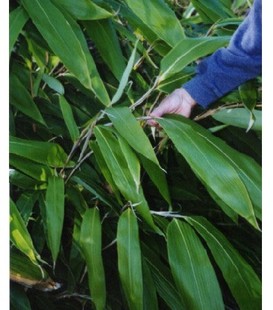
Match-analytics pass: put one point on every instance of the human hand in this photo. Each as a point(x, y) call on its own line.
point(178, 102)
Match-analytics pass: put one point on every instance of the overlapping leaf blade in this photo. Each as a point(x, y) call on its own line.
point(105, 37)
point(204, 152)
point(69, 119)
point(121, 173)
point(83, 9)
point(212, 11)
point(125, 76)
point(97, 85)
point(90, 243)
point(246, 286)
point(46, 153)
point(17, 20)
point(191, 268)
point(159, 18)
point(131, 131)
point(22, 100)
point(59, 35)
point(129, 259)
point(20, 236)
point(187, 51)
point(239, 117)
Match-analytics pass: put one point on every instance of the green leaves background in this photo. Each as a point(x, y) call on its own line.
point(104, 212)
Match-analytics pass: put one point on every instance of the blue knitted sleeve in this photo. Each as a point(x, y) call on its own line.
point(230, 67)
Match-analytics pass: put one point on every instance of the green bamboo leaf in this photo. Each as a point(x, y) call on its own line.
point(94, 189)
point(105, 170)
point(18, 298)
point(97, 86)
point(191, 268)
point(20, 236)
point(59, 35)
point(132, 132)
point(176, 80)
point(212, 11)
point(239, 275)
point(140, 28)
point(22, 100)
point(125, 76)
point(149, 290)
point(132, 161)
point(248, 94)
point(215, 164)
point(17, 20)
point(54, 203)
point(129, 259)
point(157, 176)
point(105, 37)
point(121, 173)
point(46, 153)
point(187, 51)
point(69, 119)
point(23, 181)
point(130, 129)
point(162, 21)
point(83, 9)
point(165, 288)
point(90, 243)
point(25, 204)
point(53, 83)
point(30, 168)
point(239, 117)
point(116, 162)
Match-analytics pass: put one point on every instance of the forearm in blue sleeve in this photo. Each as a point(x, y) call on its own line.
point(230, 67)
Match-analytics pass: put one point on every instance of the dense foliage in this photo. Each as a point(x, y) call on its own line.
point(107, 212)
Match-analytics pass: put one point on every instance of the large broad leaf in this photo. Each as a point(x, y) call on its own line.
point(69, 119)
point(54, 214)
point(129, 259)
point(105, 37)
point(83, 9)
point(90, 243)
point(216, 164)
point(17, 20)
point(159, 18)
point(122, 175)
point(239, 117)
point(20, 236)
point(22, 100)
point(187, 51)
point(191, 268)
point(59, 35)
point(239, 275)
point(46, 153)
